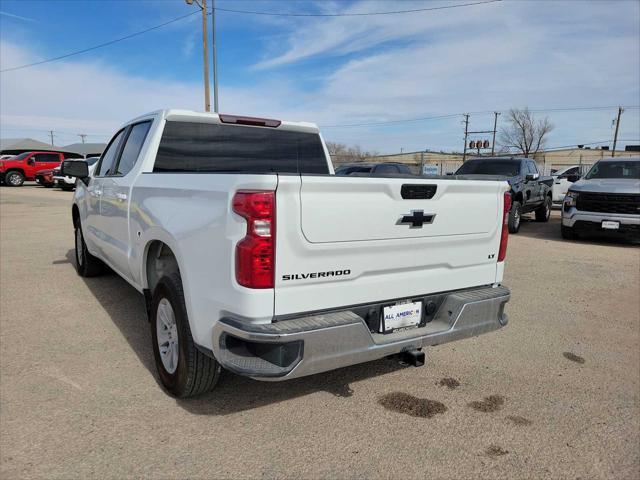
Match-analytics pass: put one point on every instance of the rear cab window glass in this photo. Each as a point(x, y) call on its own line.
point(108, 158)
point(132, 147)
point(207, 147)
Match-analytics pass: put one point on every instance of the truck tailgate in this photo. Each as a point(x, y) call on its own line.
point(351, 240)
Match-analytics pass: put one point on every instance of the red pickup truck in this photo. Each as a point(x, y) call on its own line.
point(16, 170)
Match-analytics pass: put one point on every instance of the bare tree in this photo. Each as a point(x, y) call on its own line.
point(525, 134)
point(343, 153)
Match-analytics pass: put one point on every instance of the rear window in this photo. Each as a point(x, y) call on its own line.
point(206, 147)
point(509, 168)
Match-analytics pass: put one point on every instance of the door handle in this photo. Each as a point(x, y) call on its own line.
point(121, 196)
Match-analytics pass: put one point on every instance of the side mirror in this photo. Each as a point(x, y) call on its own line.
point(573, 178)
point(532, 176)
point(31, 161)
point(75, 168)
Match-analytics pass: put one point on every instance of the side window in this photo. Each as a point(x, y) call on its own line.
point(46, 157)
point(132, 147)
point(109, 156)
point(572, 171)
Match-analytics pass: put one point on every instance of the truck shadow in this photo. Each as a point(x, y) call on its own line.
point(233, 393)
point(551, 231)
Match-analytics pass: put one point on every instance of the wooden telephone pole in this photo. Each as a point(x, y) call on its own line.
point(615, 136)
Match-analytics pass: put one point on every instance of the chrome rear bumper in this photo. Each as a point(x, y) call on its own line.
point(318, 343)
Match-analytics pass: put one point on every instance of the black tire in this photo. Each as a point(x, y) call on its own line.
point(543, 212)
point(86, 264)
point(568, 233)
point(515, 217)
point(195, 372)
point(14, 179)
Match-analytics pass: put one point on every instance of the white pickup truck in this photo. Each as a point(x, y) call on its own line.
point(253, 256)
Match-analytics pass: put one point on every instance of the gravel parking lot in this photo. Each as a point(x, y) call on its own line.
point(553, 395)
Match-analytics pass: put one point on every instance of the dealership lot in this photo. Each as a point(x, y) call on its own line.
point(555, 394)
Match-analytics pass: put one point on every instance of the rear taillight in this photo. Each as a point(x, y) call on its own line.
point(255, 253)
point(504, 236)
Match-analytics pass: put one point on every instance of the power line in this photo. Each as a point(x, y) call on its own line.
point(484, 112)
point(105, 44)
point(363, 14)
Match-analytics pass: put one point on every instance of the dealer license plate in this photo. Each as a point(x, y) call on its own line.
point(401, 316)
point(609, 225)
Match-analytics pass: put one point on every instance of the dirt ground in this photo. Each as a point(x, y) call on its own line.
point(555, 394)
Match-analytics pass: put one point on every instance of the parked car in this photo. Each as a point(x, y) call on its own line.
point(254, 257)
point(69, 183)
point(562, 180)
point(16, 170)
point(373, 168)
point(530, 192)
point(6, 157)
point(605, 201)
point(45, 178)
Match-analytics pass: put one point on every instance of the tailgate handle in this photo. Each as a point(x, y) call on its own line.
point(412, 192)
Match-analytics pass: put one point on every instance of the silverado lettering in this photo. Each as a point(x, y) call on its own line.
point(303, 276)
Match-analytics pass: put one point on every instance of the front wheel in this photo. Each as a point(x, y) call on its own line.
point(543, 212)
point(183, 369)
point(14, 179)
point(515, 217)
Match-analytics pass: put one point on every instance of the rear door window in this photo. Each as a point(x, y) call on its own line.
point(46, 157)
point(132, 147)
point(207, 147)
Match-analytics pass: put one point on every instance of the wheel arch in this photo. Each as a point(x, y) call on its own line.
point(159, 259)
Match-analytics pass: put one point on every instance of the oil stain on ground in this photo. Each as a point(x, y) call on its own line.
point(410, 405)
point(450, 383)
point(492, 403)
point(573, 357)
point(518, 420)
point(496, 451)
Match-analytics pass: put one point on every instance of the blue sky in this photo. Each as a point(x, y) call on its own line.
point(329, 70)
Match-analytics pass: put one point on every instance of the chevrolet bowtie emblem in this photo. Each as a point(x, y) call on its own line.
point(416, 219)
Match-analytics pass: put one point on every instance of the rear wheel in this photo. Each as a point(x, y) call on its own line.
point(87, 265)
point(183, 369)
point(543, 212)
point(14, 179)
point(515, 217)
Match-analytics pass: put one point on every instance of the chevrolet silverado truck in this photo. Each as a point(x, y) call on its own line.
point(529, 191)
point(605, 201)
point(253, 256)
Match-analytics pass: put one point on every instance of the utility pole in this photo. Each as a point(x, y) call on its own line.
point(51, 133)
point(615, 136)
point(495, 125)
point(205, 47)
point(466, 133)
point(82, 136)
point(215, 56)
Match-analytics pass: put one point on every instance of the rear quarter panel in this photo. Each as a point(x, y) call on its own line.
point(192, 214)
